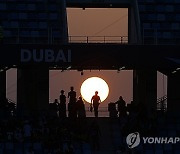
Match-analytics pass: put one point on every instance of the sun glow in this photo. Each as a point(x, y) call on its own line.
point(90, 85)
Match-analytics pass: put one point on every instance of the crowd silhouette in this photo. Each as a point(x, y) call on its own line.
point(75, 107)
point(71, 107)
point(67, 126)
point(132, 116)
point(47, 135)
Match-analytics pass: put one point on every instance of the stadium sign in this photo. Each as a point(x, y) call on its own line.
point(45, 55)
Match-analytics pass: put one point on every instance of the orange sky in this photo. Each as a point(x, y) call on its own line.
point(91, 22)
point(98, 22)
point(119, 83)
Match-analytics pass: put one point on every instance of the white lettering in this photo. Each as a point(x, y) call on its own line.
point(177, 139)
point(170, 140)
point(150, 140)
point(157, 140)
point(145, 139)
point(163, 140)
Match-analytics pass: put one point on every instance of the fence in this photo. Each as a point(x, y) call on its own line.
point(99, 39)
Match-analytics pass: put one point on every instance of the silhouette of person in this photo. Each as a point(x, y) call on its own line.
point(95, 101)
point(72, 103)
point(81, 108)
point(55, 105)
point(62, 105)
point(112, 110)
point(121, 107)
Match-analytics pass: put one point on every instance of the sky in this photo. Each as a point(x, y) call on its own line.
point(115, 81)
point(98, 22)
point(92, 22)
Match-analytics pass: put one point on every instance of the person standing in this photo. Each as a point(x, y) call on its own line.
point(95, 101)
point(62, 105)
point(81, 108)
point(121, 107)
point(72, 103)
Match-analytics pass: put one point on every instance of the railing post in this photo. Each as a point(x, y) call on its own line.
point(87, 40)
point(69, 39)
point(92, 39)
point(121, 39)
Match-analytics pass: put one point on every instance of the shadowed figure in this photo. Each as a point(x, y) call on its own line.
point(54, 108)
point(62, 105)
point(95, 101)
point(121, 107)
point(72, 103)
point(80, 108)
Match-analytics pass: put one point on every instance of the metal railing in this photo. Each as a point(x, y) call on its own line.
point(99, 39)
point(103, 111)
point(29, 35)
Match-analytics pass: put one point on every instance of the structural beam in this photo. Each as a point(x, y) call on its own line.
point(173, 93)
point(32, 91)
point(33, 81)
point(3, 84)
point(145, 89)
point(134, 31)
point(98, 3)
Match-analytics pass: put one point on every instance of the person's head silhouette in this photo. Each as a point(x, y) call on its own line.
point(62, 91)
point(72, 88)
point(120, 97)
point(96, 92)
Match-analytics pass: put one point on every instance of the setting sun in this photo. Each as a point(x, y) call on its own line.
point(90, 85)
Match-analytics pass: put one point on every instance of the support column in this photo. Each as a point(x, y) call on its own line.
point(3, 84)
point(32, 91)
point(134, 32)
point(145, 89)
point(173, 93)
